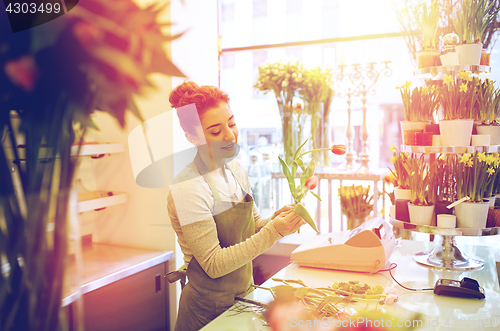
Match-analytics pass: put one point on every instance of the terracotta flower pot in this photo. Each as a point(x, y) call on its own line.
point(410, 137)
point(485, 58)
point(427, 58)
point(423, 138)
point(409, 125)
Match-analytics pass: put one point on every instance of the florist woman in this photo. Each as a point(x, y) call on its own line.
point(218, 226)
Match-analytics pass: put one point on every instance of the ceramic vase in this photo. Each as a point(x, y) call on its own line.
point(485, 58)
point(456, 132)
point(492, 130)
point(472, 214)
point(469, 54)
point(420, 215)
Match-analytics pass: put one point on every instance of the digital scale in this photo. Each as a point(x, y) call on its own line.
point(366, 248)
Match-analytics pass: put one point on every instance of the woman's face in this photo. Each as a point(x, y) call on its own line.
point(219, 130)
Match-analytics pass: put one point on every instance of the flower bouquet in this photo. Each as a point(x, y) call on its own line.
point(356, 204)
point(307, 179)
point(284, 78)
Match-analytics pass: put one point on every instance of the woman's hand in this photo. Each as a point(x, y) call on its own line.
point(283, 209)
point(287, 222)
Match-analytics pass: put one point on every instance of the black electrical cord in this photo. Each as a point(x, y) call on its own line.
point(393, 266)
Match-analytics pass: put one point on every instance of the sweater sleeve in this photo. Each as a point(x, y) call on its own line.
point(201, 237)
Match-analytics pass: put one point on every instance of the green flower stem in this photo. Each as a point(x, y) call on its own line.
point(314, 150)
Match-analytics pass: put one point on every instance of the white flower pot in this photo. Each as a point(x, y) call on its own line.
point(446, 221)
point(472, 214)
point(480, 140)
point(402, 194)
point(436, 140)
point(420, 215)
point(392, 211)
point(469, 54)
point(407, 125)
point(456, 132)
point(492, 130)
point(450, 59)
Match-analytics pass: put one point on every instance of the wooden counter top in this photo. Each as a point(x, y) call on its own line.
point(105, 264)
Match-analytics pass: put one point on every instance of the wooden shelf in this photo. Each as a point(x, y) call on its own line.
point(92, 150)
point(102, 202)
point(99, 149)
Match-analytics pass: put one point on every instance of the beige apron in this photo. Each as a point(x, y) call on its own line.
point(204, 298)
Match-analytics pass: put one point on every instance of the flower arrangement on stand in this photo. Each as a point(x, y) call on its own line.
point(421, 205)
point(317, 93)
point(356, 204)
point(475, 175)
point(308, 181)
point(420, 105)
point(488, 111)
point(284, 78)
point(471, 24)
point(427, 19)
point(400, 172)
point(458, 98)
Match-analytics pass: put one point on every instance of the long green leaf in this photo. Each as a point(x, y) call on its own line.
point(286, 172)
point(308, 172)
point(317, 197)
point(297, 152)
point(302, 212)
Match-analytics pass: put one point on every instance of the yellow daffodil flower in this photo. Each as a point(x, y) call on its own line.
point(448, 79)
point(465, 158)
point(464, 75)
point(463, 87)
point(393, 148)
point(490, 159)
point(407, 84)
point(490, 171)
point(470, 163)
point(481, 157)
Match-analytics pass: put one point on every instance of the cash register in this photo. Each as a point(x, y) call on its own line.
point(366, 248)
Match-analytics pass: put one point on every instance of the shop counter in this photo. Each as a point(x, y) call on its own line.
point(436, 312)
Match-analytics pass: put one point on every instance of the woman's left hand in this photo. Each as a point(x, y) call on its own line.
point(283, 209)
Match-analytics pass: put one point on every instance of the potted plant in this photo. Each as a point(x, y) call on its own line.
point(284, 78)
point(458, 98)
point(442, 184)
point(473, 174)
point(400, 172)
point(355, 203)
point(471, 23)
point(419, 104)
point(428, 55)
point(489, 111)
point(421, 205)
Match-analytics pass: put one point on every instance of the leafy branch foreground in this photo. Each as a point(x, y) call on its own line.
point(295, 298)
